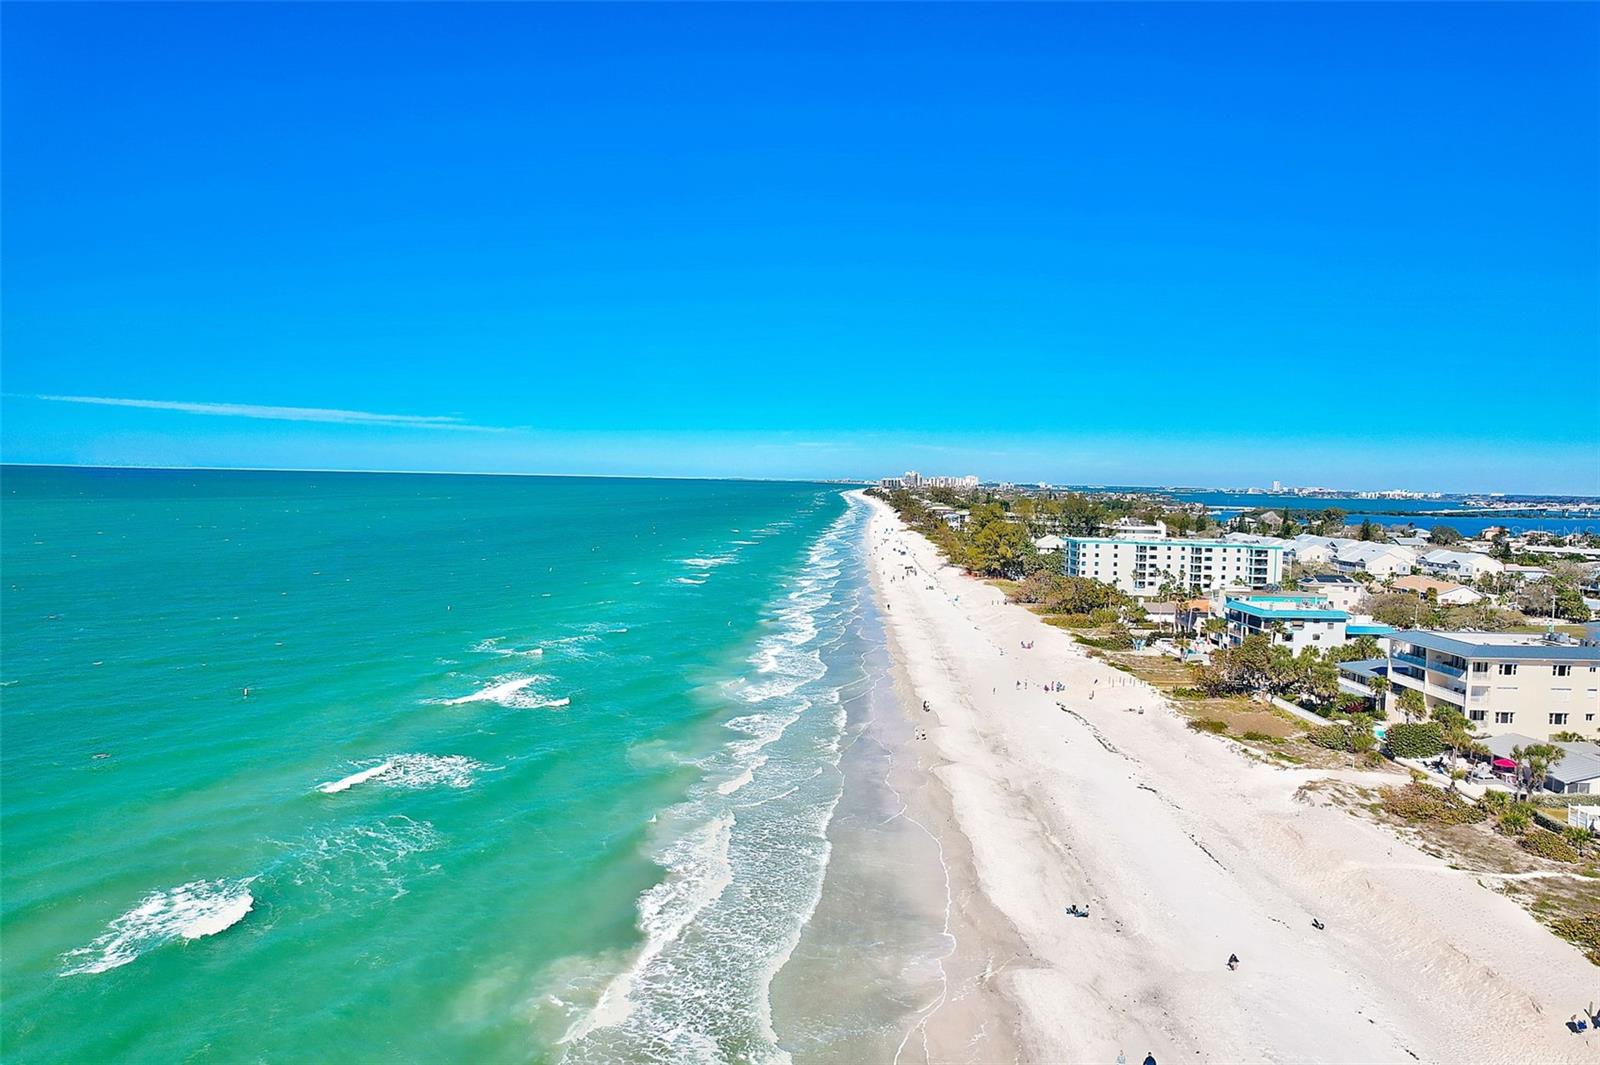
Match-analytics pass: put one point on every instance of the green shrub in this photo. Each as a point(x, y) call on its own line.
point(1261, 737)
point(1496, 800)
point(1333, 737)
point(1548, 844)
point(1212, 725)
point(1421, 740)
point(1188, 693)
point(1071, 621)
point(1104, 616)
point(1579, 837)
point(1515, 820)
point(1584, 931)
point(1421, 803)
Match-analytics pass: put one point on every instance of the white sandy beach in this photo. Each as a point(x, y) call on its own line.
point(1184, 851)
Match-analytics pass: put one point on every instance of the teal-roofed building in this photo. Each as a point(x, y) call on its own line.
point(1295, 620)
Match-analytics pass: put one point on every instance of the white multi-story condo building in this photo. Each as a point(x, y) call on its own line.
point(1140, 565)
point(1502, 682)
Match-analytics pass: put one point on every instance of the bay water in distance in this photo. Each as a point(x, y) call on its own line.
point(348, 767)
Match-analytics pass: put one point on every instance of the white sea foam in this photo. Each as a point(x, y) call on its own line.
point(708, 562)
point(360, 777)
point(506, 691)
point(688, 580)
point(365, 859)
point(414, 771)
point(697, 991)
point(194, 910)
point(697, 872)
point(492, 646)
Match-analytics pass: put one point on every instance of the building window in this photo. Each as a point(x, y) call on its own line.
point(1503, 717)
point(1478, 715)
point(1558, 719)
point(1480, 667)
point(1508, 669)
point(1561, 671)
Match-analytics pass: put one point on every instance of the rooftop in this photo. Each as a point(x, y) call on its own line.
point(1581, 762)
point(1169, 542)
point(1499, 645)
point(1292, 607)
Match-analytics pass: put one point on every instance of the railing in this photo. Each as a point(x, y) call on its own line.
point(1412, 660)
point(1449, 671)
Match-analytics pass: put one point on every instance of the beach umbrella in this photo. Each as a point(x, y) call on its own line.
point(1504, 763)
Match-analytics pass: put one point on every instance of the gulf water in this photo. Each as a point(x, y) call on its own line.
point(346, 767)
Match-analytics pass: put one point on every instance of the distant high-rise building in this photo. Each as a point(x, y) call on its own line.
point(1276, 487)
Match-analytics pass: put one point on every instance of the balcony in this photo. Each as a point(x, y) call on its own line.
point(1411, 660)
point(1449, 695)
point(1449, 671)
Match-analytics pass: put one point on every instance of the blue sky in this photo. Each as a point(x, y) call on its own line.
point(1351, 245)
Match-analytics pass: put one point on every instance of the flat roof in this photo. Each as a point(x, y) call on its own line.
point(1288, 607)
point(1169, 542)
point(1366, 668)
point(1499, 645)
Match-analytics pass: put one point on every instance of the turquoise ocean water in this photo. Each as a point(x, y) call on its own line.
point(529, 769)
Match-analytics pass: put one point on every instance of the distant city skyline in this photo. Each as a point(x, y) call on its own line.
point(1199, 244)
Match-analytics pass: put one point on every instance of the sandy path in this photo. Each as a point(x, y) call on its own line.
point(1185, 851)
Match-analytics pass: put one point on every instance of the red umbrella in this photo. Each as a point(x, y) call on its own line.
point(1504, 763)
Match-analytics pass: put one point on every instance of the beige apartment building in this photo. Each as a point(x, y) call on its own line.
point(1528, 684)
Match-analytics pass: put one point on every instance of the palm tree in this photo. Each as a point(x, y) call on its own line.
point(1412, 705)
point(1534, 762)
point(1380, 693)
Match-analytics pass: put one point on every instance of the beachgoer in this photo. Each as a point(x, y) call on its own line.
point(1318, 925)
point(1149, 1059)
point(1233, 961)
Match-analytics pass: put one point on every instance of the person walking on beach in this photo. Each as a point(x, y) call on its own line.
point(1233, 961)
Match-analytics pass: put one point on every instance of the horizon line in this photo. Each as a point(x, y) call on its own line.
point(430, 473)
point(871, 482)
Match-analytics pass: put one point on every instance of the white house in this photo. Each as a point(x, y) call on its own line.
point(1128, 527)
point(1049, 544)
point(1341, 590)
point(1461, 566)
point(1380, 560)
point(1313, 550)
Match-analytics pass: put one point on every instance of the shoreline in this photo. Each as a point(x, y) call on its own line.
point(1184, 852)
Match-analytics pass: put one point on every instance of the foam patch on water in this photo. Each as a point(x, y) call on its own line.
point(509, 692)
point(192, 911)
point(367, 858)
point(413, 771)
point(709, 562)
point(491, 646)
point(688, 580)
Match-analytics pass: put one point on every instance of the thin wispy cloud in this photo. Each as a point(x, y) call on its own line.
point(284, 414)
